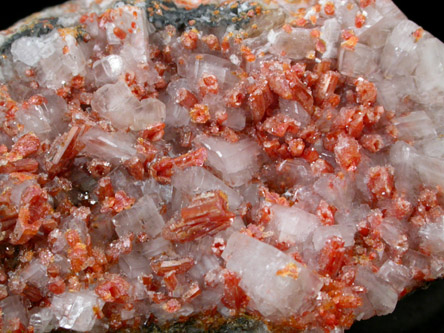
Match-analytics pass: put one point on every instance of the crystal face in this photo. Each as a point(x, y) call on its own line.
point(177, 161)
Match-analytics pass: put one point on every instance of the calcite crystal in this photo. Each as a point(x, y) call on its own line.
point(165, 161)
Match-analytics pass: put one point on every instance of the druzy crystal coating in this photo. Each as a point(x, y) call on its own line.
point(170, 161)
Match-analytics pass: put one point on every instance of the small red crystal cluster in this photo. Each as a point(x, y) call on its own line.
point(155, 179)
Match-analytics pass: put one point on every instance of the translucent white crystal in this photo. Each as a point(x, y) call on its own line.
point(257, 264)
point(378, 28)
point(399, 56)
point(111, 146)
point(294, 110)
point(27, 50)
point(392, 93)
point(122, 180)
point(236, 119)
point(177, 115)
point(195, 180)
point(151, 111)
point(46, 120)
point(12, 309)
point(35, 274)
point(381, 295)
point(132, 24)
point(362, 61)
point(416, 125)
point(42, 320)
point(398, 276)
point(108, 69)
point(66, 60)
point(292, 224)
point(197, 65)
point(134, 265)
point(237, 162)
point(155, 247)
point(330, 33)
point(403, 157)
point(76, 310)
point(295, 171)
point(116, 103)
point(18, 190)
point(143, 216)
point(30, 50)
point(338, 191)
point(430, 70)
point(430, 170)
point(295, 44)
point(432, 236)
point(323, 233)
point(433, 147)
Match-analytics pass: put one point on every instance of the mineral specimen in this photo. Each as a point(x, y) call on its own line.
point(275, 162)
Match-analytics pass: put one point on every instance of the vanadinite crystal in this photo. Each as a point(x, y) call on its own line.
point(280, 161)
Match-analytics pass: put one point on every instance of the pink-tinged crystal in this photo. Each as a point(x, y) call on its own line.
point(285, 165)
point(207, 214)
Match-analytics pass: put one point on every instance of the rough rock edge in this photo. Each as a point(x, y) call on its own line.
point(198, 324)
point(42, 23)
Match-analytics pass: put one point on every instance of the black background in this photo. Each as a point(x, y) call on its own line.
point(422, 311)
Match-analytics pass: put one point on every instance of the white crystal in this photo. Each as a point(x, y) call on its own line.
point(108, 69)
point(27, 50)
point(257, 264)
point(362, 61)
point(117, 103)
point(381, 295)
point(134, 265)
point(415, 126)
point(433, 147)
point(292, 224)
point(151, 111)
point(430, 170)
point(142, 217)
point(295, 44)
point(294, 110)
point(323, 233)
point(330, 33)
point(42, 320)
point(432, 236)
point(76, 310)
point(295, 172)
point(398, 276)
point(12, 309)
point(237, 162)
point(64, 59)
point(155, 247)
point(30, 50)
point(403, 157)
point(236, 119)
point(430, 70)
point(394, 234)
point(196, 180)
point(392, 93)
point(132, 23)
point(338, 191)
point(197, 65)
point(46, 120)
point(35, 274)
point(399, 55)
point(377, 31)
point(111, 146)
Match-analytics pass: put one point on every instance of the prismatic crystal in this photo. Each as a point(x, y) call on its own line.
point(188, 161)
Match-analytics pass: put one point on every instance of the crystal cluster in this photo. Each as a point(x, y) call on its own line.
point(162, 161)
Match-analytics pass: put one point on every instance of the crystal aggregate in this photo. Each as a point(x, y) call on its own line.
point(162, 161)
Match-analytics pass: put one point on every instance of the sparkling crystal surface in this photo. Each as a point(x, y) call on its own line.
point(162, 161)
